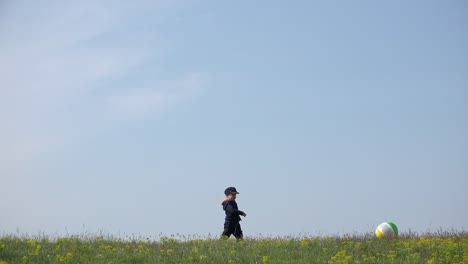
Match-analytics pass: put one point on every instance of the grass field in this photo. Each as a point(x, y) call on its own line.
point(443, 248)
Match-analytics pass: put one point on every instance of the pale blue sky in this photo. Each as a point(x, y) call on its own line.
point(328, 116)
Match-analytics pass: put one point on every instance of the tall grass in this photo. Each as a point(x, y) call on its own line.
point(442, 247)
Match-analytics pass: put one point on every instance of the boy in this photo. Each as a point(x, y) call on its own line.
point(231, 223)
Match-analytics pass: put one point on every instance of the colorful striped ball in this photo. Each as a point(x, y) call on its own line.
point(386, 230)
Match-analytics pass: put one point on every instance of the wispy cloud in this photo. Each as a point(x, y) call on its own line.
point(62, 60)
point(146, 101)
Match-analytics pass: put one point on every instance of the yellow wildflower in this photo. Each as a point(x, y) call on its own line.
point(60, 258)
point(195, 250)
point(31, 243)
point(305, 242)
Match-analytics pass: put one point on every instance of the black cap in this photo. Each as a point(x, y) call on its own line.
point(230, 190)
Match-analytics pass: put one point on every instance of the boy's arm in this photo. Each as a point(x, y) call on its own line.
point(234, 211)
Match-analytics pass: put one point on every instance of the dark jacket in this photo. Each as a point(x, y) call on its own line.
point(232, 212)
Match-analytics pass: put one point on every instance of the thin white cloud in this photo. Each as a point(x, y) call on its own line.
point(58, 56)
point(152, 100)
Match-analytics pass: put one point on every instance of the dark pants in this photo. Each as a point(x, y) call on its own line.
point(232, 228)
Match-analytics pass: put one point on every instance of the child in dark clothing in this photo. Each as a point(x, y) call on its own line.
point(231, 223)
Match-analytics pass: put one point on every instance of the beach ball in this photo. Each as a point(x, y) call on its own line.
point(386, 230)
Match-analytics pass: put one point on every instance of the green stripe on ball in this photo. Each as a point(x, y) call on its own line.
point(394, 227)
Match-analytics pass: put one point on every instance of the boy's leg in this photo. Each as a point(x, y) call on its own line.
point(226, 234)
point(228, 230)
point(238, 232)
